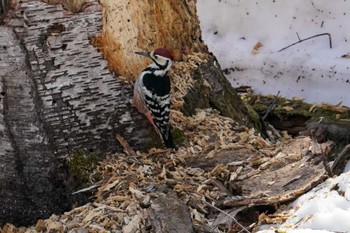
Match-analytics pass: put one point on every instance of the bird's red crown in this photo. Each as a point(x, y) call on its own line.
point(164, 53)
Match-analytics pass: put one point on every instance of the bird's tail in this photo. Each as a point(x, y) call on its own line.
point(168, 140)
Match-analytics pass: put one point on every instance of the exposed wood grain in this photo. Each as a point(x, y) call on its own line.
point(135, 25)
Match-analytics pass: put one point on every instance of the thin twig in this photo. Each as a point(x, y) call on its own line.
point(223, 212)
point(324, 153)
point(308, 38)
point(271, 107)
point(126, 146)
point(325, 162)
point(85, 189)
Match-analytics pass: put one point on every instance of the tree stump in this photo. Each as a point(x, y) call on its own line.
point(58, 94)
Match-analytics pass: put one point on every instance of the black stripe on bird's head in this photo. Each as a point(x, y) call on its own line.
point(161, 57)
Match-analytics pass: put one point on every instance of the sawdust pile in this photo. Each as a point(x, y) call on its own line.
point(130, 183)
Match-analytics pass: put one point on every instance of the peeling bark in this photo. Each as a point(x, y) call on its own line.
point(29, 175)
point(57, 96)
point(268, 180)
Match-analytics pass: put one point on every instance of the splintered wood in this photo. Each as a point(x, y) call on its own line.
point(223, 164)
point(130, 26)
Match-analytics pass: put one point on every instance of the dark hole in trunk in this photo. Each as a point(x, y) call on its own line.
point(293, 124)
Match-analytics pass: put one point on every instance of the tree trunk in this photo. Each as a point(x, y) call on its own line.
point(131, 26)
point(58, 95)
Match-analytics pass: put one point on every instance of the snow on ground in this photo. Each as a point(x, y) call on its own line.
point(310, 70)
point(326, 207)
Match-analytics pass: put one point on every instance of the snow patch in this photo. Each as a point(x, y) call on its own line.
point(326, 207)
point(310, 70)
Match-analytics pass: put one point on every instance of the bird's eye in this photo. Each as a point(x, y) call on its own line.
point(156, 56)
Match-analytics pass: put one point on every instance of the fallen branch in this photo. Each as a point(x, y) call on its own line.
point(340, 161)
point(308, 38)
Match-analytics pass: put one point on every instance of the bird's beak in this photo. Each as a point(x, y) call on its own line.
point(145, 53)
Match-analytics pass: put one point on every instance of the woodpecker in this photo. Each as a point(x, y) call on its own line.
point(152, 93)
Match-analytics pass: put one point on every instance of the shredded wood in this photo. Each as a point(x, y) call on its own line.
point(132, 180)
